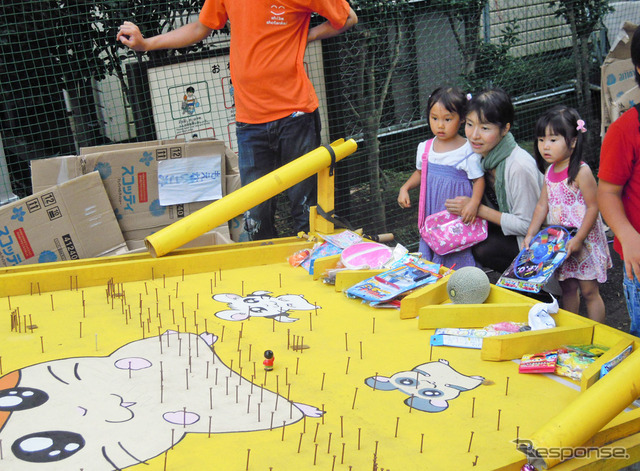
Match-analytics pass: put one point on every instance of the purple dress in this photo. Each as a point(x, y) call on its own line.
point(444, 182)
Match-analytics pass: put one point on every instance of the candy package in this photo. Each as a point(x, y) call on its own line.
point(544, 362)
point(592, 350)
point(571, 364)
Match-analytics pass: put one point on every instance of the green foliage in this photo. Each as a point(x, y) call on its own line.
point(57, 35)
point(495, 67)
point(153, 17)
point(375, 10)
point(584, 17)
point(586, 14)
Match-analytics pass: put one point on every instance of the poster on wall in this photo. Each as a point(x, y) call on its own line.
point(194, 99)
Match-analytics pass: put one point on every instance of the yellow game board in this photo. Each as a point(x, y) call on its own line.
point(140, 363)
point(134, 362)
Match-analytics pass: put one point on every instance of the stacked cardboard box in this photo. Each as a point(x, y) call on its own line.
point(130, 175)
point(619, 89)
point(64, 222)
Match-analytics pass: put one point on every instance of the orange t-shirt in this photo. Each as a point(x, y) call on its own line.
point(268, 41)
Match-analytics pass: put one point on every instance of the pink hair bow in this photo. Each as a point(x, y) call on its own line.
point(580, 126)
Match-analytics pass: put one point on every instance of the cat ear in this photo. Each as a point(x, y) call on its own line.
point(380, 382)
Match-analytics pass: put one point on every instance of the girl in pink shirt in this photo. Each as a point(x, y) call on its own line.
point(568, 199)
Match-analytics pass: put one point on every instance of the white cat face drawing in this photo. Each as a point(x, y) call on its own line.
point(108, 413)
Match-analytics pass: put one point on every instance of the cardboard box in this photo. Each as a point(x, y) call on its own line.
point(66, 222)
point(127, 145)
point(617, 77)
point(130, 177)
point(219, 235)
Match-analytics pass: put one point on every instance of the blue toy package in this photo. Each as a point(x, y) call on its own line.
point(323, 250)
point(342, 239)
point(533, 267)
point(406, 274)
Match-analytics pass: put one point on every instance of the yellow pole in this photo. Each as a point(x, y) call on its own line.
point(245, 198)
point(584, 417)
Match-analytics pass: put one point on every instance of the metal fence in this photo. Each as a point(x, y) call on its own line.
point(65, 83)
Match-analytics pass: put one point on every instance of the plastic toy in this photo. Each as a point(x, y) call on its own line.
point(269, 358)
point(533, 267)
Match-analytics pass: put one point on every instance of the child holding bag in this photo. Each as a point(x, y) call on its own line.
point(446, 167)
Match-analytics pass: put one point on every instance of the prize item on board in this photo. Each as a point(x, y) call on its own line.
point(544, 362)
point(533, 267)
point(460, 337)
point(468, 285)
point(342, 239)
point(324, 249)
point(407, 274)
point(539, 315)
point(366, 255)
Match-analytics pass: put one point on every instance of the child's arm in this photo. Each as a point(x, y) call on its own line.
point(610, 202)
point(403, 196)
point(470, 210)
point(589, 189)
point(539, 215)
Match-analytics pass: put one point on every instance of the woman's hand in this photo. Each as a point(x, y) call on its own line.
point(456, 205)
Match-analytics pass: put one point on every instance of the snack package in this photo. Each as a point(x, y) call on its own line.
point(592, 350)
point(571, 364)
point(544, 362)
point(300, 256)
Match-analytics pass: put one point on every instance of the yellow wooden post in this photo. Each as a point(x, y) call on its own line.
point(222, 210)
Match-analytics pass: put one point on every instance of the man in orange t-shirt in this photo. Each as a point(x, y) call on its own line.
point(276, 105)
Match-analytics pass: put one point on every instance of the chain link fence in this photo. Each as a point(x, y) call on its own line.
point(65, 83)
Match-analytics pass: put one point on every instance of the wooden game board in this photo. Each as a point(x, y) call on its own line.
point(143, 369)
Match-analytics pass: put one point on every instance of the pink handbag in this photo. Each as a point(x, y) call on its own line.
point(445, 233)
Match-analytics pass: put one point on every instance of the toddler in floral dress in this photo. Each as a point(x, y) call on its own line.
point(568, 199)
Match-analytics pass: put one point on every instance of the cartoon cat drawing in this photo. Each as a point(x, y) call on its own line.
point(430, 386)
point(109, 413)
point(262, 304)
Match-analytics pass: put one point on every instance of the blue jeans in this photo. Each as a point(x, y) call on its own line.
point(262, 148)
point(632, 295)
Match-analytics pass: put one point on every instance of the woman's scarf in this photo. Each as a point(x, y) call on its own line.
point(496, 159)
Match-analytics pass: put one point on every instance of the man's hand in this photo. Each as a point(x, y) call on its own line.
point(129, 34)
